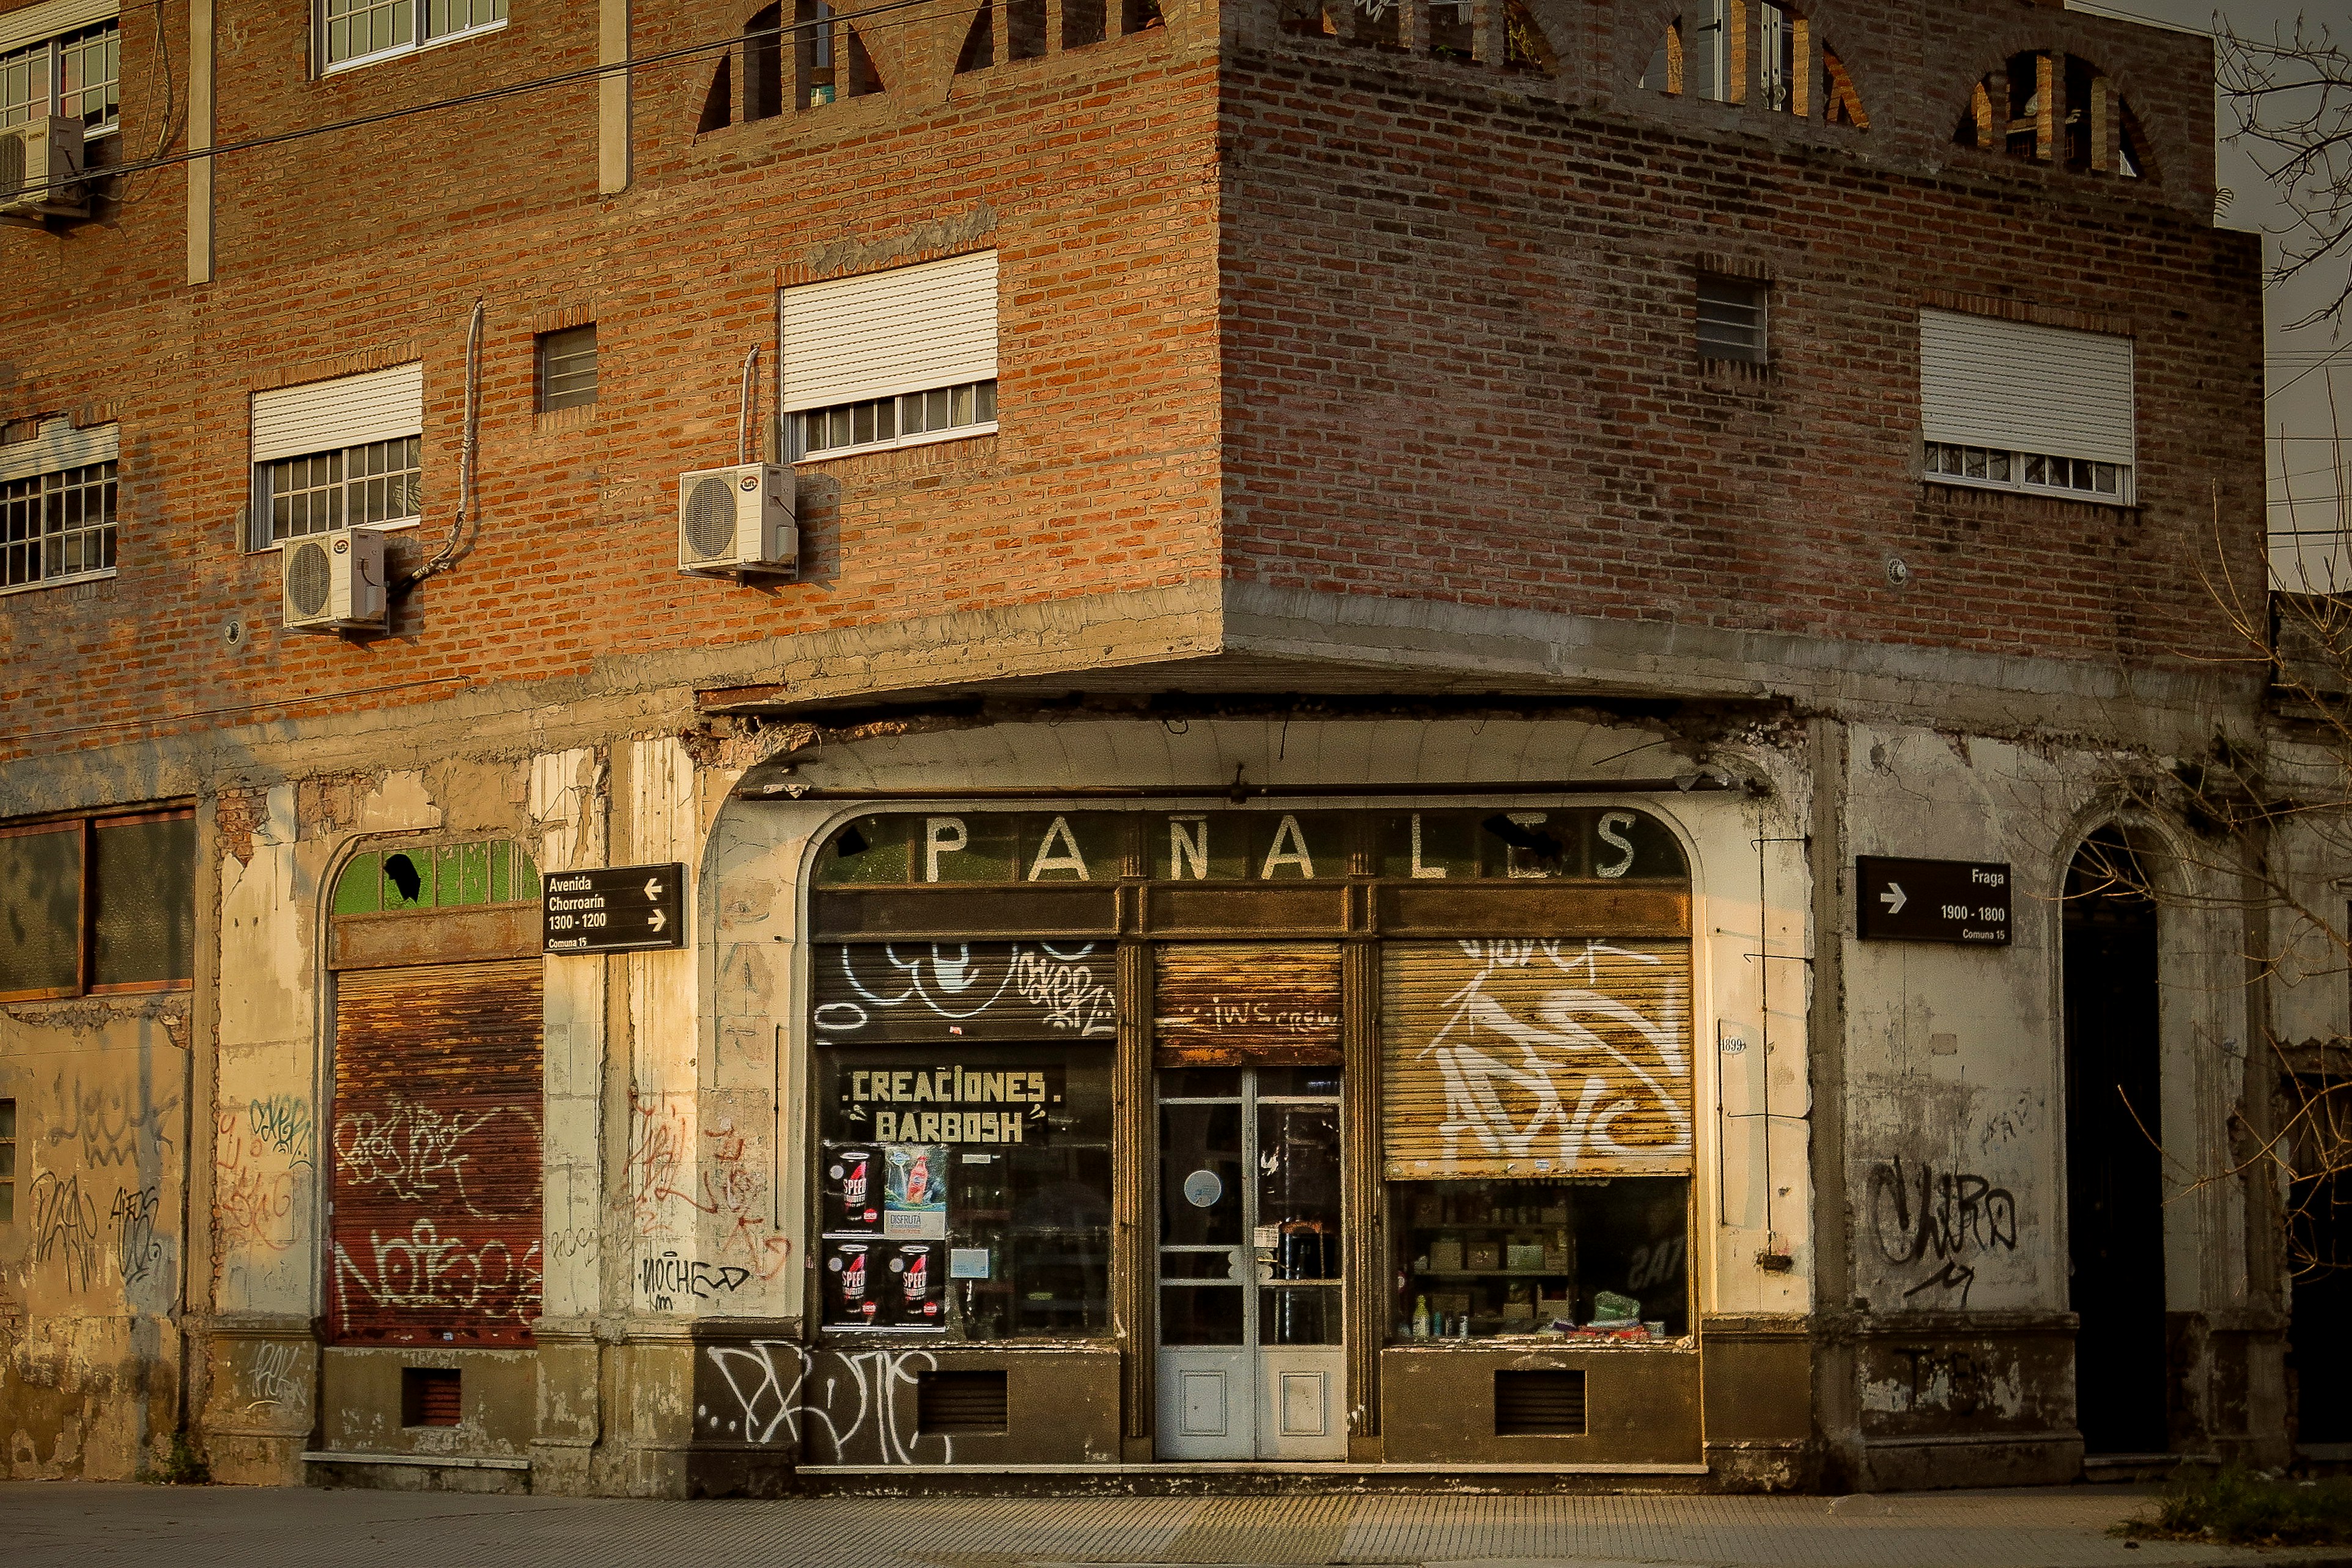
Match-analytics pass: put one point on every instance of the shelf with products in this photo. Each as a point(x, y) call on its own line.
point(1586, 1260)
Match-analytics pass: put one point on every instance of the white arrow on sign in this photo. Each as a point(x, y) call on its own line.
point(653, 887)
point(1893, 898)
point(658, 920)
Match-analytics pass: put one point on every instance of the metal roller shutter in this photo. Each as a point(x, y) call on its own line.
point(1522, 1057)
point(1255, 1003)
point(60, 446)
point(908, 329)
point(437, 1180)
point(2025, 388)
point(36, 23)
point(350, 411)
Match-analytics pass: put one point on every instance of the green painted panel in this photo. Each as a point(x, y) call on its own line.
point(360, 890)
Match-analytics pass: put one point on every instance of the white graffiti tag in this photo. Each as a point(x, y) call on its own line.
point(426, 1269)
point(780, 1388)
point(409, 1149)
point(1534, 1018)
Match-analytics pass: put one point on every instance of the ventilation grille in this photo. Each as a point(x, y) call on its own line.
point(309, 578)
point(961, 1404)
point(710, 518)
point(1539, 1405)
point(12, 164)
point(431, 1396)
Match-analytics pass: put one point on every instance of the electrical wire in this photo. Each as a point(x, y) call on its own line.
point(469, 422)
point(489, 95)
point(743, 420)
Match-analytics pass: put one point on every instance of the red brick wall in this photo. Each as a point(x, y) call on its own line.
point(1088, 171)
point(1461, 363)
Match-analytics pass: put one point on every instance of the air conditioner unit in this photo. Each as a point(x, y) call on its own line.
point(40, 170)
point(738, 522)
point(335, 581)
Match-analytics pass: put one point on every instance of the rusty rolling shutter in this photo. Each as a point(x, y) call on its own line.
point(1260, 1004)
point(437, 1183)
point(1514, 1057)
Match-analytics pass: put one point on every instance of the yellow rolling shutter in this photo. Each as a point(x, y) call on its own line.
point(1514, 1057)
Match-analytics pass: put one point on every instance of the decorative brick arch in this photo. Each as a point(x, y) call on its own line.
point(1782, 60)
point(2050, 106)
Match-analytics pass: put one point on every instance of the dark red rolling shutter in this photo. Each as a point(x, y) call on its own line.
point(437, 1183)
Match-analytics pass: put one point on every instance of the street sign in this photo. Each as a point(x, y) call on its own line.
point(618, 909)
point(1899, 900)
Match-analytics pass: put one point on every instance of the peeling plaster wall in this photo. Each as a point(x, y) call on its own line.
point(91, 1270)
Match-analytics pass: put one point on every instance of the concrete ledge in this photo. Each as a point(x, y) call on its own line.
point(1251, 1467)
point(433, 1461)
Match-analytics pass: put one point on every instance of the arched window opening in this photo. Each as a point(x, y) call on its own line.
point(979, 50)
point(763, 64)
point(1024, 29)
point(2057, 108)
point(814, 70)
point(1723, 53)
point(441, 876)
point(719, 103)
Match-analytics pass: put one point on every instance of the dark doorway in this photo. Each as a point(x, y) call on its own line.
point(2319, 1256)
point(2115, 1180)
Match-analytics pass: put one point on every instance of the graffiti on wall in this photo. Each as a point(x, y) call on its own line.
point(65, 1228)
point(1937, 1220)
point(836, 1407)
point(724, 1205)
point(974, 991)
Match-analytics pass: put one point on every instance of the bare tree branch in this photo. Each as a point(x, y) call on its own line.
point(2293, 101)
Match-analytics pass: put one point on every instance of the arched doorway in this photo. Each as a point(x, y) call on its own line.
point(2114, 1179)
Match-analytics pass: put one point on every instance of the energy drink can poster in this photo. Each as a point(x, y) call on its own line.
point(918, 1286)
point(854, 1183)
point(856, 1284)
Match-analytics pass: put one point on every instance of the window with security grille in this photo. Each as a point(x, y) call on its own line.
point(77, 75)
point(57, 526)
point(354, 32)
point(378, 483)
point(567, 367)
point(1731, 317)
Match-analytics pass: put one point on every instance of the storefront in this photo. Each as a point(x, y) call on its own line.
point(1266, 1134)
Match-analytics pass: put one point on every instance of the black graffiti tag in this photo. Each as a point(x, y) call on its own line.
point(1924, 1215)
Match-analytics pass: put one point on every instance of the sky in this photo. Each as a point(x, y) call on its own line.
point(2307, 518)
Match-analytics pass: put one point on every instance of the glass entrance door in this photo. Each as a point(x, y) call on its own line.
point(1251, 1360)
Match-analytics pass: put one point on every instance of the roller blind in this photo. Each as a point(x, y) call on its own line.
point(34, 22)
point(2025, 388)
point(909, 329)
point(1511, 1057)
point(60, 446)
point(326, 416)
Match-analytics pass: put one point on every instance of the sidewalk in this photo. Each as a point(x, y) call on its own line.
point(91, 1526)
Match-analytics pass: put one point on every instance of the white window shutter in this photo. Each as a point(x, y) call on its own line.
point(34, 22)
point(2013, 385)
point(58, 447)
point(911, 328)
point(327, 416)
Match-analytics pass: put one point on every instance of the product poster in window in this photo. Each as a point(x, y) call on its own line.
point(918, 1286)
point(853, 1190)
point(915, 1200)
point(855, 1283)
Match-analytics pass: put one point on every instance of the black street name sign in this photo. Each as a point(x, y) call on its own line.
point(1902, 900)
point(616, 910)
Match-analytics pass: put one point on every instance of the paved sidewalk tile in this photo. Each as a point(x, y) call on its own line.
point(91, 1526)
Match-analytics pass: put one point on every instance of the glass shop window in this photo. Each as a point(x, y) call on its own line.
point(965, 1191)
point(1588, 1259)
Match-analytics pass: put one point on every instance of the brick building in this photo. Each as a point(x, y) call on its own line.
point(1278, 879)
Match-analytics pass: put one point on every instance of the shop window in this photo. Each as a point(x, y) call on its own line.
point(431, 1396)
point(965, 1188)
point(961, 1404)
point(8, 1162)
point(97, 904)
point(438, 876)
point(1593, 1258)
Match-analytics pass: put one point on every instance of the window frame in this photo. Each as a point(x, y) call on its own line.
point(540, 375)
point(108, 487)
point(1760, 355)
point(418, 10)
point(88, 824)
point(51, 50)
point(2125, 493)
point(795, 431)
point(264, 530)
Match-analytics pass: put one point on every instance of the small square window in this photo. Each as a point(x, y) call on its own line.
point(567, 367)
point(1731, 320)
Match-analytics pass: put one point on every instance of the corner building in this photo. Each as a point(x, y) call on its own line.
point(1282, 883)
